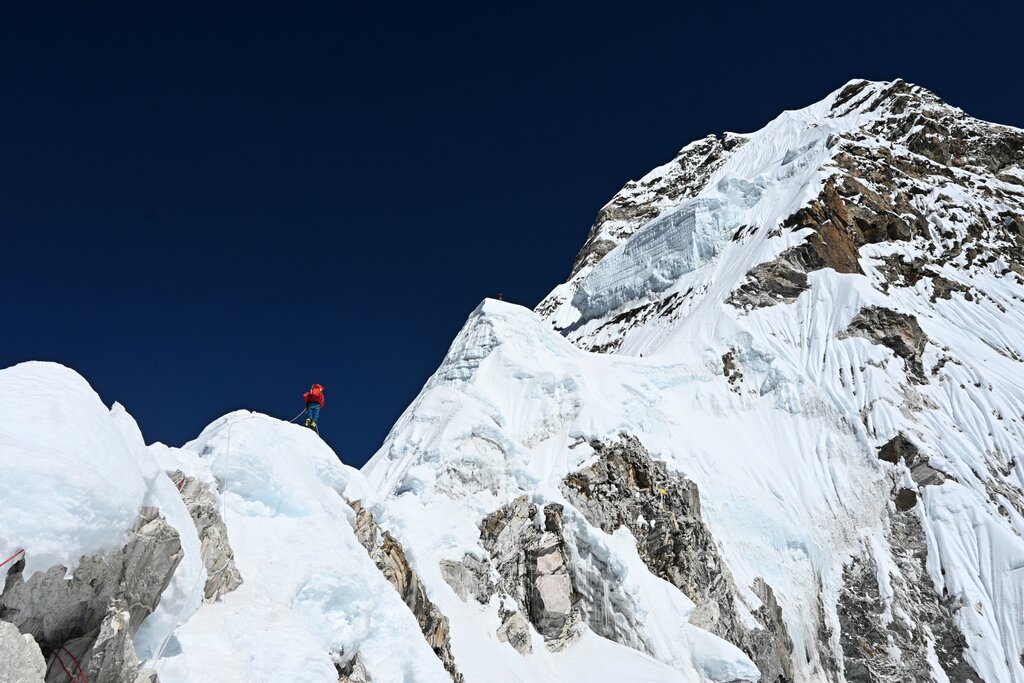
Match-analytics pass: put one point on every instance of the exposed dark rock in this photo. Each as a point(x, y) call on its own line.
point(833, 244)
point(898, 272)
point(897, 448)
point(901, 449)
point(731, 371)
point(354, 671)
point(389, 556)
point(533, 569)
point(849, 93)
point(222, 575)
point(625, 487)
point(905, 499)
point(771, 646)
point(882, 646)
point(898, 332)
point(95, 614)
point(775, 282)
point(943, 288)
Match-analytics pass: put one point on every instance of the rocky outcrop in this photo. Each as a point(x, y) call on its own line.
point(389, 556)
point(901, 449)
point(832, 244)
point(469, 578)
point(641, 201)
point(625, 487)
point(887, 639)
point(516, 632)
point(932, 129)
point(881, 193)
point(222, 576)
point(93, 616)
point(20, 658)
point(533, 567)
point(898, 332)
point(354, 671)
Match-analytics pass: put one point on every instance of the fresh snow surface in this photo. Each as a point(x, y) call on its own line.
point(309, 588)
point(504, 416)
point(785, 456)
point(310, 594)
point(75, 473)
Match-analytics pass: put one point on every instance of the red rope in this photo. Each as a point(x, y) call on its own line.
point(20, 551)
point(61, 661)
point(77, 665)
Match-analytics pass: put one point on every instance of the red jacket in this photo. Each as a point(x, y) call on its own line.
point(315, 395)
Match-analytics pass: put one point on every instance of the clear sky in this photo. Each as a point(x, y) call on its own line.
point(207, 206)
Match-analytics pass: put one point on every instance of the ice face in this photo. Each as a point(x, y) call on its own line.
point(667, 248)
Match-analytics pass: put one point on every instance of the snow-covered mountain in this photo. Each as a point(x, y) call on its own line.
point(770, 429)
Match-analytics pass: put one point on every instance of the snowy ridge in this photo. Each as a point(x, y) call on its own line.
point(310, 599)
point(770, 428)
point(282, 500)
point(846, 277)
point(516, 427)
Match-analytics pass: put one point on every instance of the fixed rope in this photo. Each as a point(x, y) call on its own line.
point(21, 551)
point(78, 666)
point(79, 673)
point(60, 661)
point(199, 576)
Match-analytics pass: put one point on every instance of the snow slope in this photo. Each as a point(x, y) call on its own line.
point(817, 330)
point(309, 588)
point(76, 475)
point(59, 446)
point(776, 410)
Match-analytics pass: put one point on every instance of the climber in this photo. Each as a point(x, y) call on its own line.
point(314, 399)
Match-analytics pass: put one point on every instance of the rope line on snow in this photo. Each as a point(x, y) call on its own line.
point(195, 587)
point(78, 666)
point(227, 456)
point(21, 551)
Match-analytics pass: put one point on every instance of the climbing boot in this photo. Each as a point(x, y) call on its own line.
point(308, 421)
point(313, 424)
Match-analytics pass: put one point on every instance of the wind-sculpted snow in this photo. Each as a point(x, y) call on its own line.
point(59, 445)
point(78, 476)
point(686, 414)
point(848, 274)
point(782, 385)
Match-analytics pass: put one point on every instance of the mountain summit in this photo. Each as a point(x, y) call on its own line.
point(770, 429)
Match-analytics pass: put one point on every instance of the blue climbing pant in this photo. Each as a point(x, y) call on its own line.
point(313, 411)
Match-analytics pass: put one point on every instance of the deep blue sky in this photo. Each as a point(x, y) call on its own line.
point(208, 207)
